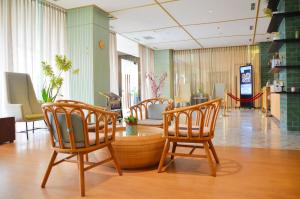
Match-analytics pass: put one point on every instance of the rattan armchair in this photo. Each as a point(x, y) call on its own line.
point(193, 125)
point(149, 112)
point(68, 127)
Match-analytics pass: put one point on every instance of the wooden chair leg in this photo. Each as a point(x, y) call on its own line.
point(173, 149)
point(163, 155)
point(209, 158)
point(212, 148)
point(26, 130)
point(49, 168)
point(81, 174)
point(113, 155)
point(87, 157)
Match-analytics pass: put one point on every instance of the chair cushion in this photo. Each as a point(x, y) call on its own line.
point(150, 122)
point(77, 127)
point(92, 126)
point(34, 117)
point(155, 111)
point(92, 140)
point(183, 132)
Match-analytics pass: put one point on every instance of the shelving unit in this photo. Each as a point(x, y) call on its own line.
point(276, 44)
point(286, 22)
point(277, 19)
point(277, 69)
point(274, 25)
point(287, 93)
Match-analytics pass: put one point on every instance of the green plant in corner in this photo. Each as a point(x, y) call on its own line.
point(268, 12)
point(53, 82)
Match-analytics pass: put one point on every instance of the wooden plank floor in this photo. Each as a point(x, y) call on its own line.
point(243, 173)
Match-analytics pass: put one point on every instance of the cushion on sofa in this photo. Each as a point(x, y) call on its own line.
point(155, 111)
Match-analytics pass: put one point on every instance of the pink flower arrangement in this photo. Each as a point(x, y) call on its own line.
point(156, 86)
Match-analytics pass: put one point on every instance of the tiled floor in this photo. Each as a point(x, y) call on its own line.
point(246, 128)
point(250, 128)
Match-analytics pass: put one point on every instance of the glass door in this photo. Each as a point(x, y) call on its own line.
point(130, 84)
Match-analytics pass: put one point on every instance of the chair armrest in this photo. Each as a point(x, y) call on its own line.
point(15, 110)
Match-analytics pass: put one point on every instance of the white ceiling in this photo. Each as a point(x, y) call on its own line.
point(183, 24)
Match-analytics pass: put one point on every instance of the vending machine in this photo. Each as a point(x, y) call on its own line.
point(246, 85)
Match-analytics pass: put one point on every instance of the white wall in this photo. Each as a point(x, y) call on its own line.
point(127, 46)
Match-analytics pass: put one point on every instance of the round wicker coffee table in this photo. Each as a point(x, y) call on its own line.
point(139, 150)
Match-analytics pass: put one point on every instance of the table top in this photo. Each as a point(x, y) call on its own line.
point(144, 133)
point(6, 116)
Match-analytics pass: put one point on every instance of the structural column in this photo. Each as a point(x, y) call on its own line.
point(88, 39)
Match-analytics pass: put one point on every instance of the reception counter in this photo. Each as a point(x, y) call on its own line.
point(275, 105)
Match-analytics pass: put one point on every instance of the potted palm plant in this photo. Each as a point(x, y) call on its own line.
point(54, 81)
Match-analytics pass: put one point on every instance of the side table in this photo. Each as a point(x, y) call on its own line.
point(7, 129)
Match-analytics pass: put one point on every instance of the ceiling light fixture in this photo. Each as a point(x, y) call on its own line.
point(148, 37)
point(210, 11)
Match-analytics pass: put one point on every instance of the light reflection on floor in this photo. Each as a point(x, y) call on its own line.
point(250, 128)
point(245, 128)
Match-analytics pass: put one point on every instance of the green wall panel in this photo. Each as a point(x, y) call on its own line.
point(163, 62)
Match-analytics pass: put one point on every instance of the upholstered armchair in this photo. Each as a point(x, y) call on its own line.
point(149, 112)
point(194, 127)
point(21, 99)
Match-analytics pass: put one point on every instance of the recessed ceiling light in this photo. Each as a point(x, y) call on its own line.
point(148, 37)
point(210, 11)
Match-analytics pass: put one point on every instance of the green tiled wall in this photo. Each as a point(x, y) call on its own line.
point(290, 103)
point(264, 63)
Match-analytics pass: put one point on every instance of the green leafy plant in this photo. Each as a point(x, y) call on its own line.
point(268, 12)
point(131, 120)
point(53, 82)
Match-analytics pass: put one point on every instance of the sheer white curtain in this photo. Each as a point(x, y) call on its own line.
point(205, 67)
point(31, 31)
point(147, 66)
point(113, 61)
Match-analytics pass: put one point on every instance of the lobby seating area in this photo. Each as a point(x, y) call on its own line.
point(149, 99)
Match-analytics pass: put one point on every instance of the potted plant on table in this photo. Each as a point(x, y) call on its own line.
point(131, 125)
